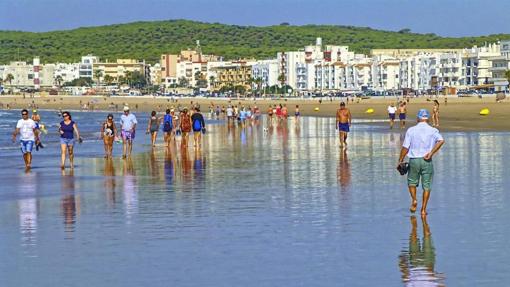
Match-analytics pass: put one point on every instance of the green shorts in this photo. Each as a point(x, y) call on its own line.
point(420, 168)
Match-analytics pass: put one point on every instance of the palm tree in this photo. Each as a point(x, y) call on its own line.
point(59, 80)
point(9, 78)
point(98, 74)
point(108, 79)
point(212, 80)
point(281, 79)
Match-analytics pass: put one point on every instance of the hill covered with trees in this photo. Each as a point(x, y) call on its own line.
point(148, 40)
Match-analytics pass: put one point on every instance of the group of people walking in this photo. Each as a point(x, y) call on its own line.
point(172, 124)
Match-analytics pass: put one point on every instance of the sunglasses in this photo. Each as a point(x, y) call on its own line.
point(24, 114)
point(65, 115)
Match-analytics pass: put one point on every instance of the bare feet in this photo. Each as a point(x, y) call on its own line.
point(413, 206)
point(62, 167)
point(423, 212)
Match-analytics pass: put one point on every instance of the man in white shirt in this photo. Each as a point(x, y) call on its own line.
point(27, 129)
point(420, 144)
point(128, 124)
point(391, 114)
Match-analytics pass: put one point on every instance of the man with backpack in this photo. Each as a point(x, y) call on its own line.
point(198, 126)
point(168, 126)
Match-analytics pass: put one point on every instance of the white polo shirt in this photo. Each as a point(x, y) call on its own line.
point(392, 110)
point(420, 140)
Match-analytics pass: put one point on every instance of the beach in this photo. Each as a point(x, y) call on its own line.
point(459, 114)
point(284, 200)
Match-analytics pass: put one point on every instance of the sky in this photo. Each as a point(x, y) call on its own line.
point(443, 17)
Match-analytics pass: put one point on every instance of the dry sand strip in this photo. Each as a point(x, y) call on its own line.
point(459, 114)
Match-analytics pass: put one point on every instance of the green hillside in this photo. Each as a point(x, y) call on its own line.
point(147, 40)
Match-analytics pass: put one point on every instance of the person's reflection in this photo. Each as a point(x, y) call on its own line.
point(199, 167)
point(344, 171)
point(28, 209)
point(109, 181)
point(70, 202)
point(153, 164)
point(185, 165)
point(417, 263)
point(169, 166)
point(130, 188)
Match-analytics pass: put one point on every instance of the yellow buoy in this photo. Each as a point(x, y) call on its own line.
point(484, 112)
point(316, 109)
point(369, 111)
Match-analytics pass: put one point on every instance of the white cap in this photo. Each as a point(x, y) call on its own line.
point(126, 108)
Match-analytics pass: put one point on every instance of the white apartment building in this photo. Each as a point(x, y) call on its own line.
point(476, 64)
point(385, 73)
point(266, 71)
point(86, 67)
point(67, 72)
point(500, 65)
point(27, 75)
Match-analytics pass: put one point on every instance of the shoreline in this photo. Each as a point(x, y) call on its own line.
point(460, 114)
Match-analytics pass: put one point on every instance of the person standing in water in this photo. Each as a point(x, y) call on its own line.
point(108, 135)
point(435, 114)
point(67, 130)
point(37, 119)
point(27, 129)
point(128, 124)
point(185, 125)
point(402, 110)
point(168, 126)
point(297, 113)
point(343, 123)
point(421, 143)
point(153, 127)
point(198, 127)
point(391, 114)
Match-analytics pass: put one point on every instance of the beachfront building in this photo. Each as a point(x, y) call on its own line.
point(86, 68)
point(65, 72)
point(116, 70)
point(385, 73)
point(233, 74)
point(188, 68)
point(476, 64)
point(28, 75)
point(265, 73)
point(501, 64)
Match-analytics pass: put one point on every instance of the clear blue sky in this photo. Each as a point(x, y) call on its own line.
point(443, 17)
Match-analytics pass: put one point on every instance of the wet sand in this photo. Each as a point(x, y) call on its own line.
point(459, 114)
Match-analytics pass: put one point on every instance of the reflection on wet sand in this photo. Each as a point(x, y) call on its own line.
point(417, 263)
point(28, 209)
point(130, 188)
point(344, 171)
point(109, 182)
point(70, 202)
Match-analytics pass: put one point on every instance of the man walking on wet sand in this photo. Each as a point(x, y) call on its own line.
point(343, 123)
point(421, 143)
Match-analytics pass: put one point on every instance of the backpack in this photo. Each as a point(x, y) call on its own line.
point(197, 125)
point(168, 123)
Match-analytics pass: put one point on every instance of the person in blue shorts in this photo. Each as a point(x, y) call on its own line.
point(27, 129)
point(198, 126)
point(343, 123)
point(402, 110)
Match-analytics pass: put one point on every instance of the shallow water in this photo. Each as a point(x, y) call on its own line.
point(256, 207)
